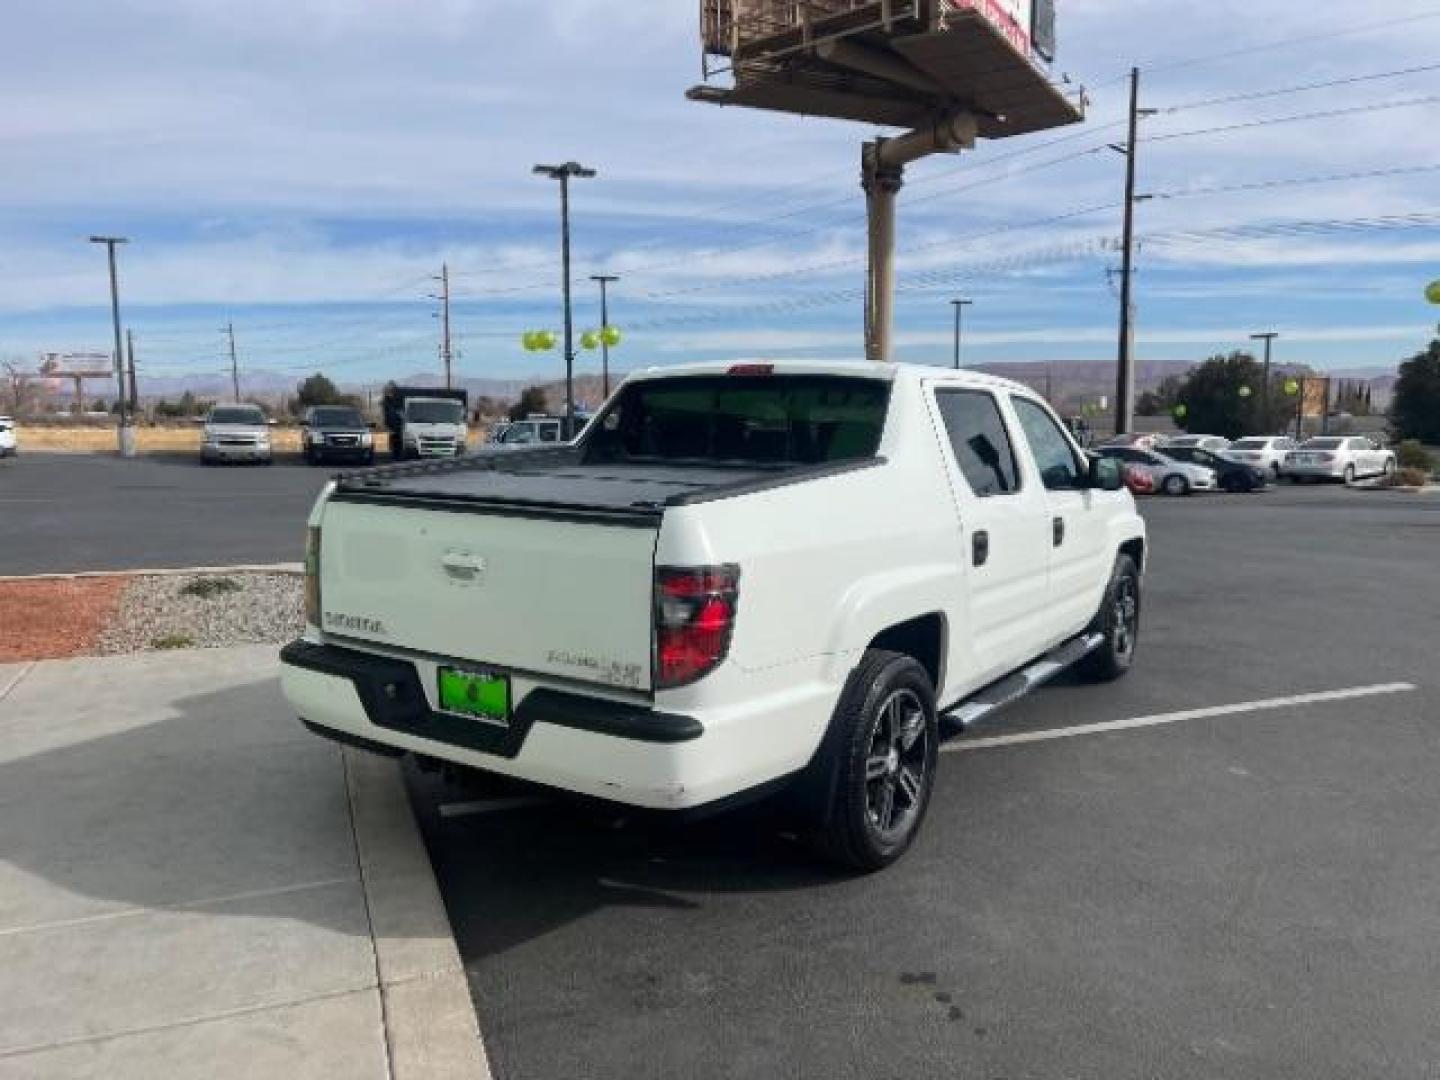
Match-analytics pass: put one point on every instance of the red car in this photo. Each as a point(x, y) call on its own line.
point(1139, 481)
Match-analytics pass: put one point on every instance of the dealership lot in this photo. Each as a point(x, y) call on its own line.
point(1235, 877)
point(1243, 894)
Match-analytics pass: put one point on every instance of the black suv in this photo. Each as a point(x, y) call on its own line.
point(336, 433)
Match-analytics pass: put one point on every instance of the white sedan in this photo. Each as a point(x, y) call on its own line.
point(1216, 444)
point(1168, 475)
point(1334, 457)
point(1261, 451)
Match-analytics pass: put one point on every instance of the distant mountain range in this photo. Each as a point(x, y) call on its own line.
point(1068, 383)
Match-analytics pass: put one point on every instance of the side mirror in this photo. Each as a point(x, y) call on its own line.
point(1105, 474)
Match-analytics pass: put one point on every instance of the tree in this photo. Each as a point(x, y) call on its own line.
point(1162, 399)
point(318, 390)
point(1415, 410)
point(532, 400)
point(1225, 396)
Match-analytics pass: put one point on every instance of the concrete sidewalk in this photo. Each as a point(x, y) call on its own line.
point(192, 886)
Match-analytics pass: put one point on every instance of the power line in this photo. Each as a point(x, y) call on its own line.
point(1354, 110)
point(1257, 95)
point(1292, 181)
point(1285, 43)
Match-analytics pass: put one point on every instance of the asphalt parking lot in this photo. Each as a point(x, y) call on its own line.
point(1248, 894)
point(61, 513)
point(1194, 891)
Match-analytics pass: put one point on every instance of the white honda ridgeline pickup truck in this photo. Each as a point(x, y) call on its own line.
point(737, 580)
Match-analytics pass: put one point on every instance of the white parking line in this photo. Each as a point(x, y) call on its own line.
point(963, 744)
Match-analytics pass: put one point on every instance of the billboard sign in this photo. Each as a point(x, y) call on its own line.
point(1011, 17)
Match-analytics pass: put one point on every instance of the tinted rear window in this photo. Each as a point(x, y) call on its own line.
point(1250, 444)
point(1324, 444)
point(742, 419)
point(337, 418)
point(237, 415)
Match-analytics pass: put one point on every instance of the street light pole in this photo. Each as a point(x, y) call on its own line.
point(564, 173)
point(124, 441)
point(960, 305)
point(605, 280)
point(1268, 337)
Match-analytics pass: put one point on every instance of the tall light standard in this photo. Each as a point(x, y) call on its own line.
point(564, 173)
point(1268, 337)
point(960, 305)
point(124, 436)
point(605, 280)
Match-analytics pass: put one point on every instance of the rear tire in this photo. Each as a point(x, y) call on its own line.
point(886, 748)
point(1176, 485)
point(1119, 622)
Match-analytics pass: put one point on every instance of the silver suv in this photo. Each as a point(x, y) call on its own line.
point(236, 433)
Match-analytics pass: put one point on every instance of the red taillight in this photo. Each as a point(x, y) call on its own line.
point(751, 369)
point(694, 617)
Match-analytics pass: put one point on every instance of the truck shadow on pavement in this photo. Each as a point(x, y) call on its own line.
point(217, 802)
point(514, 875)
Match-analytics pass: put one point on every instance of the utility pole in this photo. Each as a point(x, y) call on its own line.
point(564, 173)
point(130, 356)
point(605, 280)
point(125, 438)
point(1125, 374)
point(445, 351)
point(960, 305)
point(234, 364)
point(1268, 337)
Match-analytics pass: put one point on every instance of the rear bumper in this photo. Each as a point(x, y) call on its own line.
point(1332, 471)
point(210, 452)
point(593, 746)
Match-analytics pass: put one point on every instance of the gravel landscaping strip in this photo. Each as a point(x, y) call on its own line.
point(167, 613)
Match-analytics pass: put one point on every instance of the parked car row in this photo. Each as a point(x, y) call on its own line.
point(1184, 464)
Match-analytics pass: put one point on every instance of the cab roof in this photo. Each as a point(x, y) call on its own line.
point(853, 369)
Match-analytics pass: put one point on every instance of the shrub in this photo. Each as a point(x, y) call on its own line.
point(1411, 455)
point(206, 588)
point(1408, 476)
point(172, 641)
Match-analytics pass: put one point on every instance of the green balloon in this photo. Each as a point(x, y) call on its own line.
point(1245, 391)
point(610, 335)
point(1292, 387)
point(1432, 292)
point(590, 339)
point(1181, 411)
point(544, 340)
point(529, 341)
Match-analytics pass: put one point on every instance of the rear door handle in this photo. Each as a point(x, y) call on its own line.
point(979, 547)
point(1057, 531)
point(462, 565)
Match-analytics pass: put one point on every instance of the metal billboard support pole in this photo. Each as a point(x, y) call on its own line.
point(882, 174)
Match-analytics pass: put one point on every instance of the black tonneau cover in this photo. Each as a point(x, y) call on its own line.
point(554, 480)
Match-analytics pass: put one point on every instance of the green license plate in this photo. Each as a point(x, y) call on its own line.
point(481, 694)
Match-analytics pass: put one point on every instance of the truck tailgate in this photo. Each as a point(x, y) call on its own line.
point(549, 595)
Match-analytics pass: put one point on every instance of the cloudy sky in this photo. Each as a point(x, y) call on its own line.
point(302, 167)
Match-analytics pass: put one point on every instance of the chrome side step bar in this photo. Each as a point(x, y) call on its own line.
point(1015, 686)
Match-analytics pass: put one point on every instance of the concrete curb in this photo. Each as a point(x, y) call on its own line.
point(431, 1032)
point(261, 568)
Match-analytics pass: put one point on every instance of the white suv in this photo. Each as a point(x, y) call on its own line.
point(7, 436)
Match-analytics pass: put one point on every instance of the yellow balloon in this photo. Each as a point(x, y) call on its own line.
point(1432, 292)
point(610, 335)
point(589, 340)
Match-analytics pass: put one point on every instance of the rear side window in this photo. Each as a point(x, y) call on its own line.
point(981, 443)
point(743, 419)
point(1060, 469)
